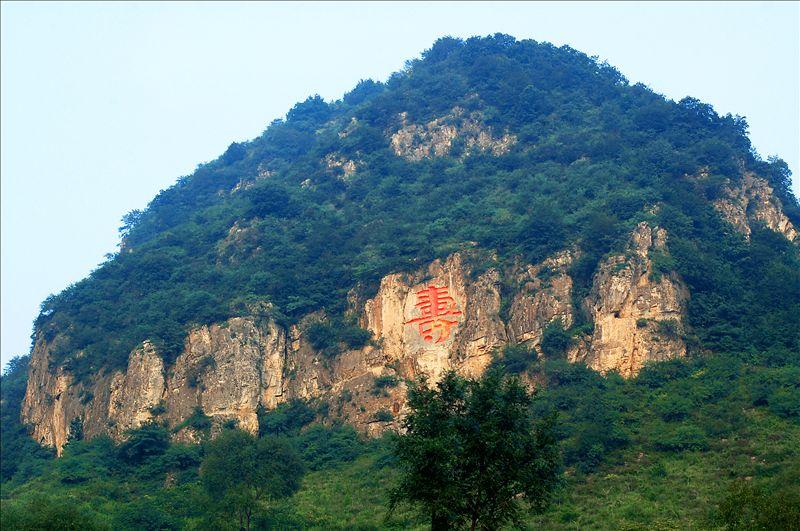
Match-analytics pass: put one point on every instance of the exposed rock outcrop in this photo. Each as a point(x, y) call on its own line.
point(340, 167)
point(48, 407)
point(438, 137)
point(437, 320)
point(638, 313)
point(752, 201)
point(445, 316)
point(136, 393)
point(53, 400)
point(241, 240)
point(227, 370)
point(544, 295)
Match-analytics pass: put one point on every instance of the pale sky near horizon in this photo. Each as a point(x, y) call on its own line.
point(105, 104)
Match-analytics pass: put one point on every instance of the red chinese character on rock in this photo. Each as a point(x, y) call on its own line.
point(437, 309)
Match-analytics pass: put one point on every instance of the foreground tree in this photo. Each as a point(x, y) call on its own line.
point(241, 473)
point(473, 454)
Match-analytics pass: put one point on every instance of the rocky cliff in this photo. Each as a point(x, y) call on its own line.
point(638, 312)
point(446, 316)
point(753, 201)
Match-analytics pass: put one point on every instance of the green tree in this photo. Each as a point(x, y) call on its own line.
point(147, 441)
point(243, 473)
point(473, 454)
point(555, 340)
point(44, 511)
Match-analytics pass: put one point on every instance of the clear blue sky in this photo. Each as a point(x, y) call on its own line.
point(103, 105)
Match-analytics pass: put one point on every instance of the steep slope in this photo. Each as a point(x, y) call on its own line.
point(494, 193)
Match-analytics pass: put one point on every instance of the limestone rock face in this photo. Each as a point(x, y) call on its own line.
point(227, 370)
point(134, 393)
point(437, 320)
point(445, 316)
point(340, 167)
point(544, 295)
point(638, 315)
point(753, 201)
point(53, 400)
point(437, 138)
point(47, 405)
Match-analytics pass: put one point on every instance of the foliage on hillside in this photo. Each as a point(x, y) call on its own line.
point(270, 221)
point(710, 442)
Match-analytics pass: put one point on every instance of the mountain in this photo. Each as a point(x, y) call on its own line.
point(495, 202)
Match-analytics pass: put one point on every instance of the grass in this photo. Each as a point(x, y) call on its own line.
point(641, 488)
point(352, 497)
point(657, 490)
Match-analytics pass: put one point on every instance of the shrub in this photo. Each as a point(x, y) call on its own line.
point(662, 264)
point(75, 431)
point(159, 409)
point(657, 471)
point(669, 328)
point(785, 402)
point(329, 337)
point(383, 415)
point(593, 439)
point(681, 438)
point(657, 374)
point(382, 383)
point(515, 359)
point(322, 337)
point(195, 372)
point(750, 507)
point(354, 336)
point(230, 424)
point(44, 511)
point(778, 389)
point(285, 419)
point(555, 340)
point(144, 513)
point(74, 471)
point(673, 407)
point(179, 457)
point(323, 447)
point(142, 443)
point(198, 421)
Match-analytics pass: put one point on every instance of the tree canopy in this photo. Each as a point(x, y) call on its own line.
point(242, 473)
point(473, 454)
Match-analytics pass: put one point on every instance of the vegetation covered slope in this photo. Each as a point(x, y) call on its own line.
point(710, 443)
point(322, 202)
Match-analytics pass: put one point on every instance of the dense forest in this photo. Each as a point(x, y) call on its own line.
point(707, 441)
